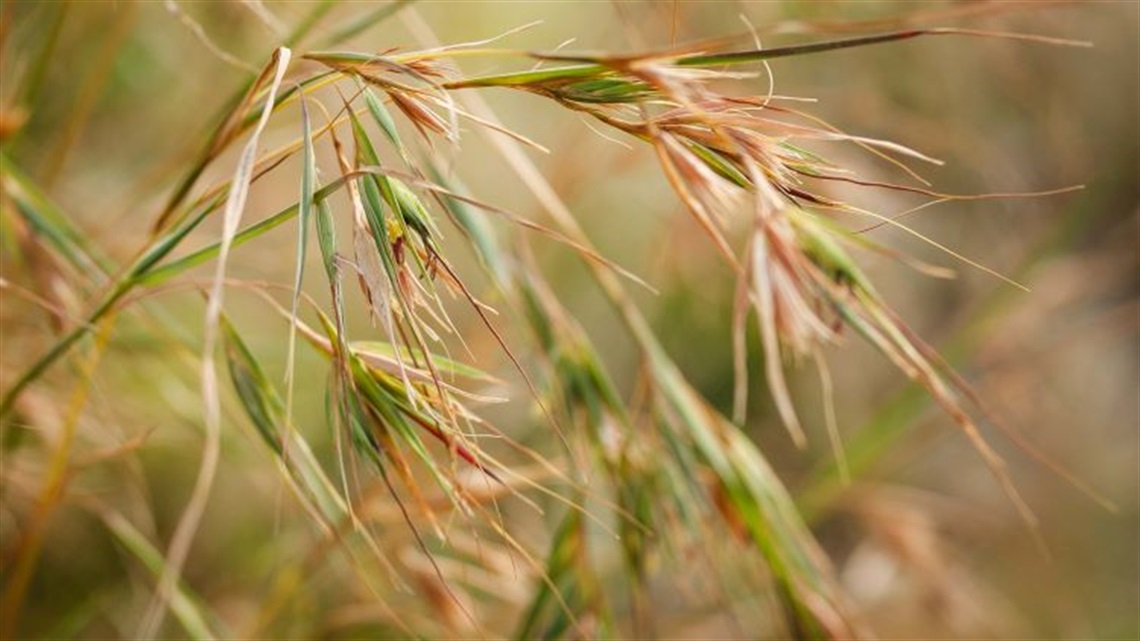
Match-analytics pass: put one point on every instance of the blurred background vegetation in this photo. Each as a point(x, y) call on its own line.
point(105, 103)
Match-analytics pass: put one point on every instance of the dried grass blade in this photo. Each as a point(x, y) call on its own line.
point(235, 204)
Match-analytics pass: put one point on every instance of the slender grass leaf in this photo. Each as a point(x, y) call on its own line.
point(148, 276)
point(198, 622)
point(49, 221)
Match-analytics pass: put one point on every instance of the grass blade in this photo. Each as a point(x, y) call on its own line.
point(235, 204)
point(186, 607)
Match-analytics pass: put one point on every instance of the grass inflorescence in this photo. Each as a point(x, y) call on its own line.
point(656, 469)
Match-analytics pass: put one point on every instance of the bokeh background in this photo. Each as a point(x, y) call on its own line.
point(922, 539)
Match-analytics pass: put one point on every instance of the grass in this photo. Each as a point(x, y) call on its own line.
point(398, 493)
